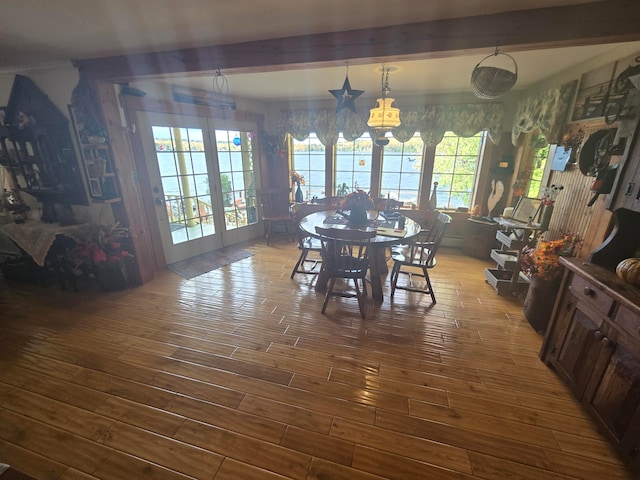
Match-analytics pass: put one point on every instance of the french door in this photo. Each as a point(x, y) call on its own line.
point(202, 176)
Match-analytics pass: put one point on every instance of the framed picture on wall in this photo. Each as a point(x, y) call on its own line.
point(604, 90)
point(527, 208)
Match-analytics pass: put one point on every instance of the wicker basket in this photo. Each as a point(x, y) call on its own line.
point(490, 82)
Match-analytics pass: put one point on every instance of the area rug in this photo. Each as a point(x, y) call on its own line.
point(195, 266)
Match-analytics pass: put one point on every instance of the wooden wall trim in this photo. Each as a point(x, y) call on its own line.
point(132, 204)
point(606, 21)
point(178, 108)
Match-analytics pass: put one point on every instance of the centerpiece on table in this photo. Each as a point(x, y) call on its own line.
point(357, 203)
point(104, 255)
point(542, 266)
point(297, 180)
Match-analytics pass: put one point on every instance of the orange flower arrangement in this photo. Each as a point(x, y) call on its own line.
point(297, 179)
point(544, 262)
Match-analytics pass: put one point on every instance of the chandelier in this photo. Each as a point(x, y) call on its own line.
point(384, 116)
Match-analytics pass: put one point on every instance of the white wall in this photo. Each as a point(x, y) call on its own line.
point(57, 82)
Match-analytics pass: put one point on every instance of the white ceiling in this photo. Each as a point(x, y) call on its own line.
point(34, 33)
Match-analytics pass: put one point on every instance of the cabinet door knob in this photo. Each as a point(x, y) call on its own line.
point(589, 292)
point(598, 335)
point(606, 342)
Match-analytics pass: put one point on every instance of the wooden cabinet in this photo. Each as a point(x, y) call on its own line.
point(593, 342)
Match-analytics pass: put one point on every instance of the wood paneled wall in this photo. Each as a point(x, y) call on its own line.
point(571, 212)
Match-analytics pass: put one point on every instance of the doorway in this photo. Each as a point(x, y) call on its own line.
point(202, 173)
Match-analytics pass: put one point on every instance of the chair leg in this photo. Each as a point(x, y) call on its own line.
point(328, 294)
point(301, 259)
point(267, 230)
point(360, 298)
point(395, 272)
point(428, 280)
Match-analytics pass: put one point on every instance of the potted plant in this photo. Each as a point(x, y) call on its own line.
point(104, 255)
point(297, 180)
point(357, 202)
point(542, 266)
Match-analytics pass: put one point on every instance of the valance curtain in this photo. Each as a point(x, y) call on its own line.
point(546, 111)
point(432, 121)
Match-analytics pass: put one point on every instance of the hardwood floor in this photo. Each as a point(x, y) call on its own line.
point(236, 375)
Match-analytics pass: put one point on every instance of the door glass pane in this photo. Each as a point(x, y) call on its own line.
point(182, 164)
point(235, 163)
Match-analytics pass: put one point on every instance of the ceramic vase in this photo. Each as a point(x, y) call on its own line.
point(545, 218)
point(358, 216)
point(112, 277)
point(299, 197)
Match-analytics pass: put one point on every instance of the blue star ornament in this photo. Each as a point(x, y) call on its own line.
point(346, 96)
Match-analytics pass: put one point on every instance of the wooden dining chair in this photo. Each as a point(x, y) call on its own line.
point(419, 254)
point(310, 259)
point(385, 205)
point(276, 211)
point(389, 209)
point(345, 255)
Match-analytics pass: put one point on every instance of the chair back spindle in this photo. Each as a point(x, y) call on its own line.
point(419, 254)
point(345, 255)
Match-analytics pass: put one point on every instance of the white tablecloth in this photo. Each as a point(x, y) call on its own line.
point(35, 238)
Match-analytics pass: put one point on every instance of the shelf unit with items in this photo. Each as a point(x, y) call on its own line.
point(507, 277)
point(36, 148)
point(97, 162)
point(101, 178)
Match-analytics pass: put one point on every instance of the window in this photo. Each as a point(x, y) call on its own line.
point(454, 168)
point(308, 159)
point(540, 156)
point(402, 170)
point(353, 164)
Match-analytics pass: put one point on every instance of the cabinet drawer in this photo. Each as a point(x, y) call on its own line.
point(584, 290)
point(630, 321)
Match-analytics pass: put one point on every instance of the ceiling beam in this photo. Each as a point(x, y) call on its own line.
point(607, 21)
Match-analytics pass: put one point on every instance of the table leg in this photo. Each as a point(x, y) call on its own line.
point(321, 281)
point(378, 268)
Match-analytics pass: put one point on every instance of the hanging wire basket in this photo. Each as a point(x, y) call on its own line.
point(489, 81)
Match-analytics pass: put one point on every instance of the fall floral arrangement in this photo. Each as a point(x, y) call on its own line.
point(106, 247)
point(297, 179)
point(356, 199)
point(544, 262)
point(572, 139)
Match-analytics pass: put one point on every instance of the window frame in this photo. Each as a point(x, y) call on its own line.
point(426, 173)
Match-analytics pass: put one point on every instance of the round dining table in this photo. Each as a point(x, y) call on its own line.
point(390, 232)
